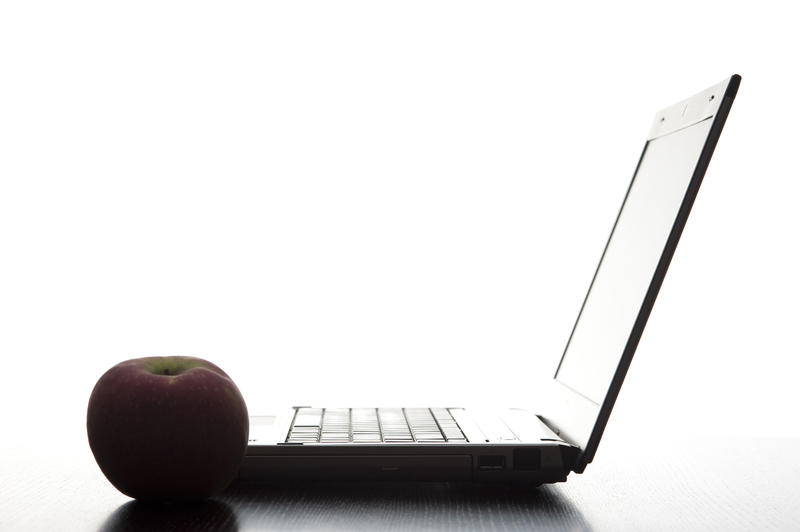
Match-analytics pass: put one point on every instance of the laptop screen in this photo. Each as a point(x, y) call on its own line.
point(629, 261)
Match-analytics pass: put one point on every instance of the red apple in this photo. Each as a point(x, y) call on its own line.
point(167, 428)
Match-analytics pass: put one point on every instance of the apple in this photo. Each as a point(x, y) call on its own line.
point(167, 428)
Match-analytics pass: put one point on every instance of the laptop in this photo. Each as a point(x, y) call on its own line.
point(539, 443)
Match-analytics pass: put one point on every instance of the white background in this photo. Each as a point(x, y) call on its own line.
point(364, 202)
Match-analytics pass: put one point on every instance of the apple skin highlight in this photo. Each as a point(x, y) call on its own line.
point(167, 428)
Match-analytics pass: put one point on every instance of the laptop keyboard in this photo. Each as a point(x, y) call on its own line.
point(374, 425)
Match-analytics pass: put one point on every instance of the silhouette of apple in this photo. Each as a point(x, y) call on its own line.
point(167, 428)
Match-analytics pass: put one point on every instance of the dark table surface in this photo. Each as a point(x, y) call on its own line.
point(722, 484)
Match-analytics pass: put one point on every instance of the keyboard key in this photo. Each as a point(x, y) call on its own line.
point(422, 425)
point(393, 425)
point(366, 437)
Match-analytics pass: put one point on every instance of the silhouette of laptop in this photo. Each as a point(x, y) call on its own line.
point(546, 442)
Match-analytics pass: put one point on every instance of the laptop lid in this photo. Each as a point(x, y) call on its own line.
point(632, 267)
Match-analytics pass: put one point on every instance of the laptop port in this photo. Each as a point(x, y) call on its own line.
point(491, 462)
